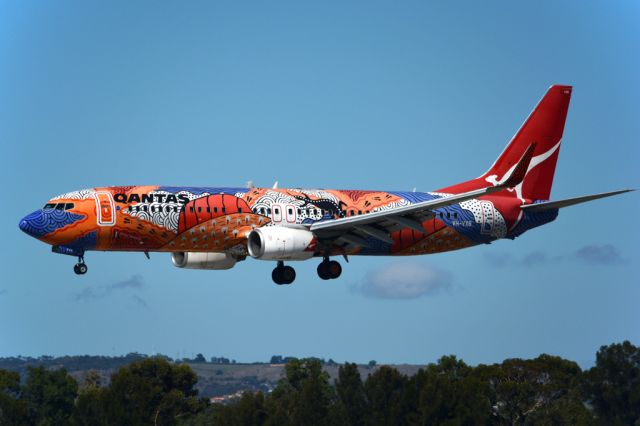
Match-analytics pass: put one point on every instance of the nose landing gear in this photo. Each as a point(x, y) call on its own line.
point(283, 274)
point(80, 268)
point(329, 269)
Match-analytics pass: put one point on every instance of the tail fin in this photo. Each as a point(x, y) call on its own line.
point(544, 127)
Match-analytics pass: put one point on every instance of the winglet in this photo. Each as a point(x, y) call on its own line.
point(520, 170)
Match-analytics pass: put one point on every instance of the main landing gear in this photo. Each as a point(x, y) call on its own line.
point(80, 268)
point(329, 269)
point(283, 274)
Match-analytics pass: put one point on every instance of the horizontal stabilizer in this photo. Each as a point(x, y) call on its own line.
point(569, 201)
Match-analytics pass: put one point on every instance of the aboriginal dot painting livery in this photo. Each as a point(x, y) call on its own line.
point(215, 227)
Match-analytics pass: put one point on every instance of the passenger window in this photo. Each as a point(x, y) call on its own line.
point(290, 210)
point(240, 210)
point(199, 209)
point(353, 212)
point(224, 210)
point(69, 206)
point(215, 210)
point(359, 211)
point(191, 209)
point(208, 209)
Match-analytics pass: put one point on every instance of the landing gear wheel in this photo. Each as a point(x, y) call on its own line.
point(283, 274)
point(329, 269)
point(276, 276)
point(334, 269)
point(323, 272)
point(80, 268)
point(288, 274)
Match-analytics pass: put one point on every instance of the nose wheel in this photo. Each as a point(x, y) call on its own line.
point(329, 269)
point(283, 274)
point(80, 268)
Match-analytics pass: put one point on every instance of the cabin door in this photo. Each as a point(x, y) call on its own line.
point(105, 209)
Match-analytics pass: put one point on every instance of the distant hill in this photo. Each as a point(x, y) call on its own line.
point(214, 378)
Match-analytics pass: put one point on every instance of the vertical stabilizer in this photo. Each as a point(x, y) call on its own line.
point(544, 127)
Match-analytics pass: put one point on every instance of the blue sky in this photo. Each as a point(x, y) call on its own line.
point(371, 95)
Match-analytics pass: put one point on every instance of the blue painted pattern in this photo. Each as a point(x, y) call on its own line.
point(532, 220)
point(43, 222)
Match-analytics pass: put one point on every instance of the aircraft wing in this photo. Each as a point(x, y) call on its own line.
point(355, 229)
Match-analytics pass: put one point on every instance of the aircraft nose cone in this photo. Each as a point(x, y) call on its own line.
point(29, 224)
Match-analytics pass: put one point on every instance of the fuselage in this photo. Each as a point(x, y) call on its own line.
point(218, 219)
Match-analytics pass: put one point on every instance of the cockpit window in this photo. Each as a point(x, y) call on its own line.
point(60, 206)
point(69, 206)
point(49, 206)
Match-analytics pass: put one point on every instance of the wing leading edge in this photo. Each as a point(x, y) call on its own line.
point(377, 224)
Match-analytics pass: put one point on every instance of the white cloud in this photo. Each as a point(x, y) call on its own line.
point(404, 280)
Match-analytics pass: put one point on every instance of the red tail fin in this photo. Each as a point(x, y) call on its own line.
point(543, 127)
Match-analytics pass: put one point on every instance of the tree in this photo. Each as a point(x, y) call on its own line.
point(151, 391)
point(385, 392)
point(536, 390)
point(613, 385)
point(89, 408)
point(303, 396)
point(200, 359)
point(351, 394)
point(450, 393)
point(13, 409)
point(50, 396)
point(276, 359)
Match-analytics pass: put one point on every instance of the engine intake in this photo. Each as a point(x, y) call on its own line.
point(280, 243)
point(194, 260)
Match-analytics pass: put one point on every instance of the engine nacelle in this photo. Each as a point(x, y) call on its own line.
point(280, 243)
point(194, 260)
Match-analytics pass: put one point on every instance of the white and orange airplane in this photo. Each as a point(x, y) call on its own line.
point(216, 227)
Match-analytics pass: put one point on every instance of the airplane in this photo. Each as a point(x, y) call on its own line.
point(216, 227)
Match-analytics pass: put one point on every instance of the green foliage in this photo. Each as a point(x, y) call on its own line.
point(352, 400)
point(384, 391)
point(13, 408)
point(613, 385)
point(303, 396)
point(547, 390)
point(151, 391)
point(50, 396)
point(451, 393)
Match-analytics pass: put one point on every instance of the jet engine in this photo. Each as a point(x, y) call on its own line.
point(194, 260)
point(280, 243)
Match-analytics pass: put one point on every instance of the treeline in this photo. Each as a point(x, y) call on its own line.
point(544, 390)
